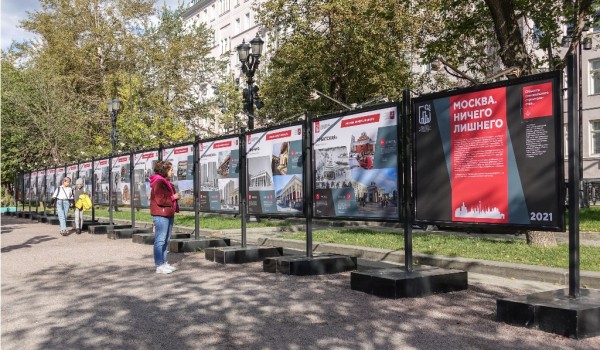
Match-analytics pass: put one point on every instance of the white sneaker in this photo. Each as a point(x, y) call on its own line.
point(163, 270)
point(170, 267)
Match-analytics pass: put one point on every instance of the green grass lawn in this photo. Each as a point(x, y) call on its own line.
point(212, 222)
point(589, 219)
point(513, 251)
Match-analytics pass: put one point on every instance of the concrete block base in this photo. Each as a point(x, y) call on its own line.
point(126, 233)
point(143, 238)
point(241, 255)
point(397, 283)
point(316, 265)
point(554, 312)
point(104, 228)
point(194, 245)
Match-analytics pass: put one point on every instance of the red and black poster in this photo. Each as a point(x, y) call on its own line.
point(491, 155)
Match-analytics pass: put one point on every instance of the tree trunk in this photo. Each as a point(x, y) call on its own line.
point(512, 47)
point(542, 239)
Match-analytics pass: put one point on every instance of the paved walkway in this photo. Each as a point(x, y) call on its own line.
point(89, 292)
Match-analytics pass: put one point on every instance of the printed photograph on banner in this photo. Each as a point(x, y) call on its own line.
point(229, 194)
point(260, 176)
point(332, 168)
point(182, 159)
point(288, 192)
point(209, 176)
point(224, 162)
point(280, 158)
point(362, 150)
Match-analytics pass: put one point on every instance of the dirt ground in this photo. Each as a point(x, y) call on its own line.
point(89, 292)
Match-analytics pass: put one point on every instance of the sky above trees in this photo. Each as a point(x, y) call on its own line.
point(14, 11)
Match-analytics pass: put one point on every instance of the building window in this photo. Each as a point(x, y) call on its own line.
point(595, 136)
point(595, 77)
point(237, 26)
point(247, 21)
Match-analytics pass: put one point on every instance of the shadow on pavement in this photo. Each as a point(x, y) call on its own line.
point(28, 244)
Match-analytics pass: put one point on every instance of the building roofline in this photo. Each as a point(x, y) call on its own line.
point(192, 9)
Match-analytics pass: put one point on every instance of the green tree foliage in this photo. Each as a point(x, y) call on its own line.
point(55, 89)
point(355, 50)
point(485, 35)
point(351, 50)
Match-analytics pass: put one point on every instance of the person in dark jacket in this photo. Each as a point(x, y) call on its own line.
point(163, 206)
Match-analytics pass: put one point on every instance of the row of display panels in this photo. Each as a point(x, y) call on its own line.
point(489, 155)
point(355, 162)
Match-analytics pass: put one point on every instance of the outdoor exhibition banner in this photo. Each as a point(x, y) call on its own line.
point(274, 159)
point(121, 179)
point(33, 186)
point(41, 184)
point(143, 167)
point(72, 172)
point(26, 184)
point(61, 172)
point(85, 173)
point(50, 183)
point(182, 158)
point(219, 175)
point(356, 164)
point(101, 167)
point(491, 155)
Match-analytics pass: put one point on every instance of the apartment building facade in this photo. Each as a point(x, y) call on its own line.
point(590, 109)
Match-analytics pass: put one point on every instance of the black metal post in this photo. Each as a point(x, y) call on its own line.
point(29, 192)
point(93, 191)
point(110, 191)
point(196, 170)
point(308, 188)
point(131, 187)
point(574, 171)
point(16, 191)
point(406, 123)
point(243, 187)
point(22, 192)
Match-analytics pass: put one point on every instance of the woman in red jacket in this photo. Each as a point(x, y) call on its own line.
point(163, 206)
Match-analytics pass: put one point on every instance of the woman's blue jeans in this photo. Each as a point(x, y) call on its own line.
point(62, 209)
point(162, 233)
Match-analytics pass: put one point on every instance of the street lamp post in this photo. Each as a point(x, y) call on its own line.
point(113, 108)
point(249, 55)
